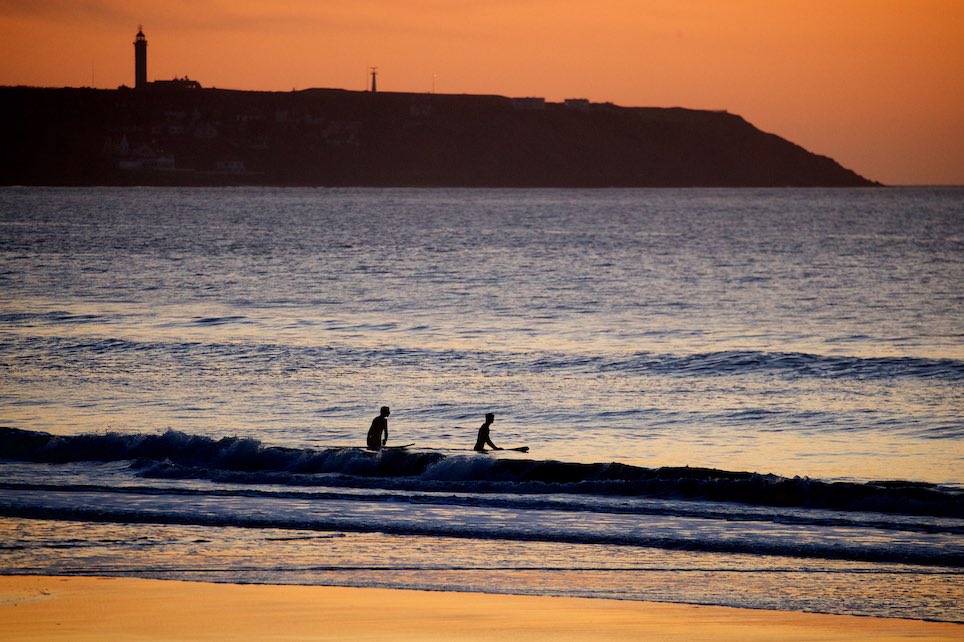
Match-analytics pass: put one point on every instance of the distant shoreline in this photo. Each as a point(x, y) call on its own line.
point(333, 138)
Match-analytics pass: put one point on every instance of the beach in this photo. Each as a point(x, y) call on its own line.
point(97, 608)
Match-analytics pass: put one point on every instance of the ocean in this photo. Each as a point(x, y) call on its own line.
point(742, 397)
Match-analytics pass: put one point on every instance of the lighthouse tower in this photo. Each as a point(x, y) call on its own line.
point(140, 59)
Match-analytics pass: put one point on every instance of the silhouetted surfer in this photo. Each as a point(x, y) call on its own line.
point(378, 433)
point(484, 439)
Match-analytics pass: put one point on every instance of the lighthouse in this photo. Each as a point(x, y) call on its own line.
point(140, 59)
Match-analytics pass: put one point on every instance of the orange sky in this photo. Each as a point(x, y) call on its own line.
point(876, 84)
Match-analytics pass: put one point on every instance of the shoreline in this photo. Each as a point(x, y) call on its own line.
point(40, 607)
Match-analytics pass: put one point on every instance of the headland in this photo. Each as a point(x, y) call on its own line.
point(182, 134)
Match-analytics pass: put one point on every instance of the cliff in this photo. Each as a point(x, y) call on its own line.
point(335, 137)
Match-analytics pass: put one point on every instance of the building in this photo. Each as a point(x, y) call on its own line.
point(579, 104)
point(140, 70)
point(528, 104)
point(140, 59)
point(175, 83)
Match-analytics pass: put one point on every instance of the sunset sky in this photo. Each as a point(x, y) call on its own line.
point(876, 84)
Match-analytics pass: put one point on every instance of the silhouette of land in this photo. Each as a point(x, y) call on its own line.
point(193, 136)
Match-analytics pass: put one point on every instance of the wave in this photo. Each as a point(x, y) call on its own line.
point(60, 317)
point(706, 364)
point(796, 364)
point(561, 503)
point(862, 553)
point(177, 455)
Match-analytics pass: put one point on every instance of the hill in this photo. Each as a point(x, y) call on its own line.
point(336, 137)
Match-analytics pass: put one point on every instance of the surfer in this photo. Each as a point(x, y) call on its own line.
point(378, 433)
point(484, 439)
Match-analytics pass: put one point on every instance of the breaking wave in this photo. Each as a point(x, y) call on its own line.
point(177, 455)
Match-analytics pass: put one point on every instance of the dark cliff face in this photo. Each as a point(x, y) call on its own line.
point(333, 137)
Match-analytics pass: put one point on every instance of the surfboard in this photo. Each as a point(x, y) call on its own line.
point(518, 449)
point(402, 447)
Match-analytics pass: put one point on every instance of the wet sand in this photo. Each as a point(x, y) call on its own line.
point(93, 608)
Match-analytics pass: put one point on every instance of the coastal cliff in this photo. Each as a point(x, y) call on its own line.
point(329, 137)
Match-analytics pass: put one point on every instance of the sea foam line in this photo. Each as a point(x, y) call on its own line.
point(814, 545)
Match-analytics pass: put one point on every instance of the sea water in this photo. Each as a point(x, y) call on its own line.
point(742, 397)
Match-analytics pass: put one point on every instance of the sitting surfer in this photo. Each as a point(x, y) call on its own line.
point(378, 433)
point(484, 439)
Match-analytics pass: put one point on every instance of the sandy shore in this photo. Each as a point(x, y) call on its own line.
point(91, 608)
